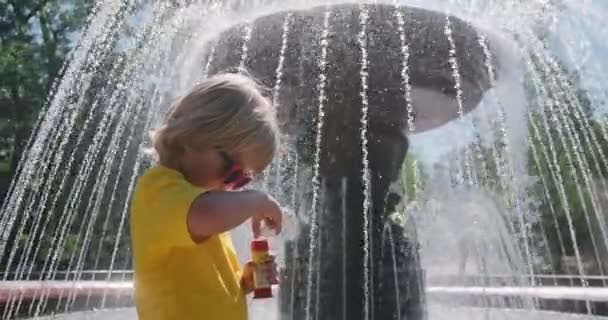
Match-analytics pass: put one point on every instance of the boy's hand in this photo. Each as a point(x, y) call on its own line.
point(247, 277)
point(269, 268)
point(269, 212)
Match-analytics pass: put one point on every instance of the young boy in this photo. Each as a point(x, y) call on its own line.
point(213, 139)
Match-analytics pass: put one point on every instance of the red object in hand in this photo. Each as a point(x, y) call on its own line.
point(236, 177)
point(262, 281)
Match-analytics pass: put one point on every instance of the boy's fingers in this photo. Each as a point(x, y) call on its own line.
point(272, 223)
point(277, 225)
point(249, 268)
point(255, 227)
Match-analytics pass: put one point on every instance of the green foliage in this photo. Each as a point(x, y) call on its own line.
point(412, 177)
point(35, 38)
point(566, 146)
point(4, 168)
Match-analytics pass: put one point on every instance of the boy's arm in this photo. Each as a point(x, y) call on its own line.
point(217, 212)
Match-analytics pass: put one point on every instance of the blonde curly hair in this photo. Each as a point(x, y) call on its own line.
point(228, 111)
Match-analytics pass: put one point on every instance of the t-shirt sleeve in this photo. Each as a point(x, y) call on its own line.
point(169, 220)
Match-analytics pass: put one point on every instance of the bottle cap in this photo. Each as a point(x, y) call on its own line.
point(259, 245)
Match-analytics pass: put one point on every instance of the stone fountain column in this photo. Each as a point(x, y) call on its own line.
point(356, 270)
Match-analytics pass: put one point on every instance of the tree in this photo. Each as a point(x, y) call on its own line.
point(567, 156)
point(35, 39)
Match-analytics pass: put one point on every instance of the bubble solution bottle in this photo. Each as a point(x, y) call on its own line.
point(262, 284)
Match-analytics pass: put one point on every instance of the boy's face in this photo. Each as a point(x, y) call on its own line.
point(210, 169)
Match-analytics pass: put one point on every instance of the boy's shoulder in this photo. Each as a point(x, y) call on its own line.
point(158, 178)
point(160, 175)
point(161, 179)
point(160, 190)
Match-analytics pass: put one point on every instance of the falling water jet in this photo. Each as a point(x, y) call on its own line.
point(387, 232)
point(588, 133)
point(342, 97)
point(75, 198)
point(111, 205)
point(71, 159)
point(319, 241)
point(70, 162)
point(554, 170)
point(407, 86)
point(466, 175)
point(295, 251)
point(547, 195)
point(92, 152)
point(124, 74)
point(582, 163)
point(248, 29)
point(344, 109)
point(57, 164)
point(91, 38)
point(362, 40)
point(17, 184)
point(149, 118)
point(488, 61)
point(472, 178)
point(209, 60)
point(101, 186)
point(60, 94)
point(580, 196)
point(28, 248)
point(580, 117)
point(138, 162)
point(538, 86)
point(24, 257)
point(12, 296)
point(405, 53)
point(596, 208)
point(579, 111)
point(505, 170)
point(104, 174)
point(276, 91)
point(39, 307)
point(322, 78)
point(121, 224)
point(344, 185)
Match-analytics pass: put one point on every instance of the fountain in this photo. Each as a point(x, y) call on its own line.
point(353, 136)
point(357, 84)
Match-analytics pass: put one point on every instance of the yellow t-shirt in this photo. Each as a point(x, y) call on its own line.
point(175, 278)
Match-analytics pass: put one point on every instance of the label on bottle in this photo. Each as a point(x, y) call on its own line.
point(260, 278)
